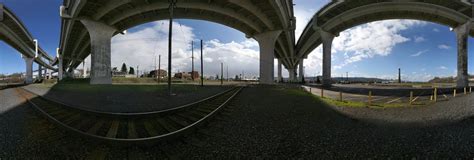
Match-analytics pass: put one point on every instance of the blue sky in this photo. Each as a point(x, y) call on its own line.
point(422, 49)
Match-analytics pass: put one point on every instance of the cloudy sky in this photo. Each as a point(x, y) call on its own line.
point(422, 49)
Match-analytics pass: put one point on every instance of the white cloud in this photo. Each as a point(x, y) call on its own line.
point(419, 53)
point(444, 46)
point(442, 67)
point(372, 39)
point(303, 17)
point(419, 39)
point(141, 47)
point(435, 30)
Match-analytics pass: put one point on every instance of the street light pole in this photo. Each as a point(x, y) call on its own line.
point(170, 36)
point(159, 69)
point(202, 68)
point(222, 73)
point(192, 60)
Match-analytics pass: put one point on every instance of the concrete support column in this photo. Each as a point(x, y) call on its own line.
point(292, 74)
point(462, 33)
point(100, 35)
point(301, 71)
point(266, 42)
point(49, 72)
point(29, 70)
point(40, 71)
point(327, 43)
point(60, 65)
point(280, 77)
point(84, 70)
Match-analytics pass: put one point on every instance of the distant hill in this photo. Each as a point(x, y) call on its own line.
point(351, 79)
point(447, 79)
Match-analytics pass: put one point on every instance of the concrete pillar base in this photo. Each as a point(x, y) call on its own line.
point(29, 70)
point(292, 74)
point(100, 35)
point(280, 77)
point(40, 72)
point(301, 71)
point(267, 48)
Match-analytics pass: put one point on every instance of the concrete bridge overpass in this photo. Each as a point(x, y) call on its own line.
point(340, 15)
point(88, 26)
point(15, 34)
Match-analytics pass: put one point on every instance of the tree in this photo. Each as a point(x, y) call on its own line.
point(124, 68)
point(217, 76)
point(131, 71)
point(236, 77)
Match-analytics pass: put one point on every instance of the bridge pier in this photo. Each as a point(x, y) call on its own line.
point(100, 35)
point(462, 33)
point(266, 42)
point(60, 64)
point(301, 71)
point(327, 39)
point(40, 71)
point(29, 70)
point(280, 77)
point(291, 74)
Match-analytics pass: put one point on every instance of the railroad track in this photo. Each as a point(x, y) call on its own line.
point(131, 128)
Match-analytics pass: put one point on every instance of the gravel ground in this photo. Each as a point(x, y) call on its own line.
point(124, 101)
point(263, 123)
point(443, 112)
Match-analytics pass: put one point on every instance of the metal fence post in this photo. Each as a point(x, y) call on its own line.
point(322, 93)
point(340, 96)
point(370, 98)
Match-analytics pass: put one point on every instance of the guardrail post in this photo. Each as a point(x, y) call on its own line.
point(465, 90)
point(340, 96)
point(435, 96)
point(470, 89)
point(322, 93)
point(310, 90)
point(411, 97)
point(370, 98)
point(454, 93)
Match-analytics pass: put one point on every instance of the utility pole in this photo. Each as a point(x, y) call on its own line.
point(170, 36)
point(192, 60)
point(202, 68)
point(138, 72)
point(222, 73)
point(154, 58)
point(159, 68)
point(399, 75)
point(227, 68)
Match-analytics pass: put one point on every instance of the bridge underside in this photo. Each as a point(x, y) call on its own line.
point(15, 34)
point(252, 17)
point(338, 16)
